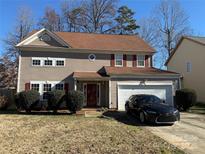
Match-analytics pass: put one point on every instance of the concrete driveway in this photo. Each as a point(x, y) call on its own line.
point(188, 134)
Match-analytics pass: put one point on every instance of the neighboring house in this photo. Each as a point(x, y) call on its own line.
point(188, 58)
point(106, 68)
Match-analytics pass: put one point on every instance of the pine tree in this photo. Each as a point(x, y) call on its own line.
point(126, 24)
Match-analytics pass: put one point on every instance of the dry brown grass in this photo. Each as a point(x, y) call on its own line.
point(74, 134)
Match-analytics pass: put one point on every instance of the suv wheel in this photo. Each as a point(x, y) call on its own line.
point(142, 117)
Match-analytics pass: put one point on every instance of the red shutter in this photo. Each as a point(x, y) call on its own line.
point(134, 58)
point(146, 61)
point(66, 87)
point(27, 86)
point(112, 60)
point(124, 60)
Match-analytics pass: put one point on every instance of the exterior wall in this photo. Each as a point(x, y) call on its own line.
point(52, 42)
point(114, 87)
point(194, 53)
point(73, 62)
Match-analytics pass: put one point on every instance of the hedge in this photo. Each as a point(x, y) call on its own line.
point(185, 98)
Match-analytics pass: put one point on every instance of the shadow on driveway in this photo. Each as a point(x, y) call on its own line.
point(123, 117)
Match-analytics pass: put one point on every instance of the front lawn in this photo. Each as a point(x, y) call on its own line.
point(75, 134)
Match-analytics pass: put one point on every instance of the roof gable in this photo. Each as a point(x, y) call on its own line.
point(198, 40)
point(43, 38)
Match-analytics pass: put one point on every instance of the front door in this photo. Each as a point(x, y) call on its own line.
point(91, 95)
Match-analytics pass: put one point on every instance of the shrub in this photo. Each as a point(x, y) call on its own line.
point(185, 98)
point(3, 102)
point(26, 100)
point(55, 98)
point(74, 101)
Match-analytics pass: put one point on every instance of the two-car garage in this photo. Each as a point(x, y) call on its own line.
point(164, 90)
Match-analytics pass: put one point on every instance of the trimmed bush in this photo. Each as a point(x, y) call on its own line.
point(55, 98)
point(74, 101)
point(27, 100)
point(185, 98)
point(3, 102)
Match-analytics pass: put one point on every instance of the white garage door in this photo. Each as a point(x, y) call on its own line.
point(164, 92)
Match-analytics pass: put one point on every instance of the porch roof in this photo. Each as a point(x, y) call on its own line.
point(88, 75)
point(136, 71)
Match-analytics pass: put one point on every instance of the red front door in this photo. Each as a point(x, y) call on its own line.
point(91, 95)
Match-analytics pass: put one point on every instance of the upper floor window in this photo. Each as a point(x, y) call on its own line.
point(60, 62)
point(59, 86)
point(36, 62)
point(188, 67)
point(48, 62)
point(140, 61)
point(118, 59)
point(45, 61)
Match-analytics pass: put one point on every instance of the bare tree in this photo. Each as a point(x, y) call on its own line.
point(97, 15)
point(51, 20)
point(71, 15)
point(171, 23)
point(9, 58)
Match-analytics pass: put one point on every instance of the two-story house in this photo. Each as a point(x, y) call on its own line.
point(108, 69)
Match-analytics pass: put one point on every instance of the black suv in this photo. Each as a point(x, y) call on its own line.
point(150, 108)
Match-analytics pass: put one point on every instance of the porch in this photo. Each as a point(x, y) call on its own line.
point(94, 87)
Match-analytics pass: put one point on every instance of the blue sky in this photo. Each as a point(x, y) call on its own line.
point(9, 8)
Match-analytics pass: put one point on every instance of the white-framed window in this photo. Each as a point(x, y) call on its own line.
point(91, 57)
point(140, 60)
point(36, 62)
point(59, 86)
point(60, 63)
point(48, 62)
point(35, 86)
point(188, 67)
point(118, 59)
point(45, 86)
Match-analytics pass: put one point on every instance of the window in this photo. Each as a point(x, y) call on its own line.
point(118, 60)
point(140, 61)
point(48, 62)
point(188, 67)
point(35, 87)
point(60, 62)
point(91, 57)
point(59, 86)
point(46, 88)
point(36, 62)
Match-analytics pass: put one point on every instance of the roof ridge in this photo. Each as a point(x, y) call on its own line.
point(100, 33)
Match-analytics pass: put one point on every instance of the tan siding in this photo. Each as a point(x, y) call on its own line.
point(74, 62)
point(192, 52)
point(52, 42)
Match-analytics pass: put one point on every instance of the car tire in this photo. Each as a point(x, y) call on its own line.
point(142, 117)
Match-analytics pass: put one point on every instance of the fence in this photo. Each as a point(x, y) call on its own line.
point(9, 93)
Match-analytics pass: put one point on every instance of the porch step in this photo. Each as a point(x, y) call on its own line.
point(92, 114)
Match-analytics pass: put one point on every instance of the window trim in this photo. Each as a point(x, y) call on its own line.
point(41, 83)
point(42, 61)
point(140, 60)
point(118, 59)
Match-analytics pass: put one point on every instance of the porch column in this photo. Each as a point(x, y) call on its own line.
point(110, 103)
